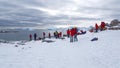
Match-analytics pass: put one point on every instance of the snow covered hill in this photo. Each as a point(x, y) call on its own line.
point(104, 53)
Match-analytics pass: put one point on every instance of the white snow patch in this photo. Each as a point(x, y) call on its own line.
point(103, 53)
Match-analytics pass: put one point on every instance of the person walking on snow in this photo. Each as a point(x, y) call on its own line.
point(96, 27)
point(75, 31)
point(56, 34)
point(68, 33)
point(71, 35)
point(102, 26)
point(60, 34)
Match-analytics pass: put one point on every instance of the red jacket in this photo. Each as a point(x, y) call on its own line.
point(102, 25)
point(96, 26)
point(60, 34)
point(68, 32)
point(72, 32)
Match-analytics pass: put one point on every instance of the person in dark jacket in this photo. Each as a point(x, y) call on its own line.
point(35, 36)
point(49, 35)
point(56, 34)
point(30, 36)
point(75, 34)
point(71, 34)
point(43, 35)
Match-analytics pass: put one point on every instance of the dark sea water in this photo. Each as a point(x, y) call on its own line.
point(22, 34)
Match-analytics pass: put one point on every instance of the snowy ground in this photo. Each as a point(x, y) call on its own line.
point(104, 53)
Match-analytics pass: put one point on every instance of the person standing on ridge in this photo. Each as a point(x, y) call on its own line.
point(96, 27)
point(30, 36)
point(56, 34)
point(49, 35)
point(102, 26)
point(71, 34)
point(75, 31)
point(35, 36)
point(68, 33)
point(60, 34)
point(43, 35)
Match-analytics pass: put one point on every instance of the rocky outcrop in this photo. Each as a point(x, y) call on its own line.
point(115, 22)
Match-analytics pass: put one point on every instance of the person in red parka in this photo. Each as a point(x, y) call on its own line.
point(30, 36)
point(60, 34)
point(68, 33)
point(96, 27)
point(102, 26)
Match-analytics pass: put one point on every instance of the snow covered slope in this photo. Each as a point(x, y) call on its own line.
point(104, 53)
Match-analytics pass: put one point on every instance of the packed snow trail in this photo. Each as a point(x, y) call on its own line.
point(103, 53)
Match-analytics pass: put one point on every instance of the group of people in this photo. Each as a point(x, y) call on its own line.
point(35, 37)
point(101, 27)
point(72, 34)
point(57, 34)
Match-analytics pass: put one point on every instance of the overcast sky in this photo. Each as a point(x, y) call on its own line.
point(50, 13)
